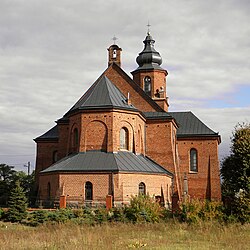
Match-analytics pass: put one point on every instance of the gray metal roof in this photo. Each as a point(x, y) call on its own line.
point(190, 125)
point(49, 135)
point(97, 161)
point(103, 94)
point(157, 115)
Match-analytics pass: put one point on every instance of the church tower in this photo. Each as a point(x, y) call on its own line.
point(149, 75)
point(114, 55)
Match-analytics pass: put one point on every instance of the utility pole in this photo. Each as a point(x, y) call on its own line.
point(28, 166)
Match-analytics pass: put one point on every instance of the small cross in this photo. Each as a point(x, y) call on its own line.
point(148, 27)
point(114, 39)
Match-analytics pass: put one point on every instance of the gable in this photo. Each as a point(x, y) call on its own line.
point(126, 85)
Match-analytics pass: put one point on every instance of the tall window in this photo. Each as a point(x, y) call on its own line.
point(147, 85)
point(88, 191)
point(48, 191)
point(75, 138)
point(193, 160)
point(55, 158)
point(142, 188)
point(124, 138)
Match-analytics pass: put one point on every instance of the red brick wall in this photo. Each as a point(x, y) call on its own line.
point(44, 156)
point(74, 185)
point(136, 99)
point(160, 136)
point(53, 179)
point(199, 185)
point(158, 80)
point(125, 185)
point(128, 184)
point(96, 136)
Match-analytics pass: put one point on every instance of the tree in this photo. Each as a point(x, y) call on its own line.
point(8, 178)
point(235, 169)
point(235, 172)
point(17, 204)
point(7, 174)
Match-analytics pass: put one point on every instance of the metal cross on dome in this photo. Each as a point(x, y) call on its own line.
point(114, 39)
point(148, 27)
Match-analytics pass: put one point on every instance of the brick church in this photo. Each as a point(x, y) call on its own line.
point(119, 139)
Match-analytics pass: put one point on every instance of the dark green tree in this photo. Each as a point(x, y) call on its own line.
point(17, 204)
point(235, 172)
point(6, 182)
point(235, 169)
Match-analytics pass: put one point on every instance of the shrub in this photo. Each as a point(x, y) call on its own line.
point(61, 215)
point(1, 213)
point(195, 211)
point(143, 208)
point(238, 208)
point(38, 217)
point(118, 214)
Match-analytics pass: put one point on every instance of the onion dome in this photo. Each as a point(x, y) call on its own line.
point(149, 58)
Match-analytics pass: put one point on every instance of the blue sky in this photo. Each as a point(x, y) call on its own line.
point(52, 51)
point(239, 97)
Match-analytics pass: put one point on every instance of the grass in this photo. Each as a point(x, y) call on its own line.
point(171, 235)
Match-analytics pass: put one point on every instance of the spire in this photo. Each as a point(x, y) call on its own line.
point(149, 58)
point(148, 28)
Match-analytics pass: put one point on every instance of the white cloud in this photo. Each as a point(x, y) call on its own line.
point(52, 51)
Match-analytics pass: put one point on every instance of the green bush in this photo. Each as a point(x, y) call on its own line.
point(238, 208)
point(143, 208)
point(195, 211)
point(118, 214)
point(61, 215)
point(2, 213)
point(38, 217)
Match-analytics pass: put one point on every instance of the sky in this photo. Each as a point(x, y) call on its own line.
point(52, 51)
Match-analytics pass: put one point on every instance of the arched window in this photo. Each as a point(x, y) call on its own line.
point(48, 191)
point(124, 138)
point(147, 85)
point(54, 157)
point(142, 188)
point(114, 53)
point(88, 191)
point(75, 138)
point(193, 160)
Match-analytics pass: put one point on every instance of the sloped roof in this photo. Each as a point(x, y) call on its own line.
point(103, 94)
point(157, 115)
point(190, 125)
point(52, 134)
point(97, 161)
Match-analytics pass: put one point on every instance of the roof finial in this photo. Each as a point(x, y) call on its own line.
point(114, 39)
point(148, 27)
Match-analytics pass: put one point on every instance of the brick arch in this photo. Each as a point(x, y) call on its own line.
point(129, 127)
point(96, 136)
point(74, 138)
